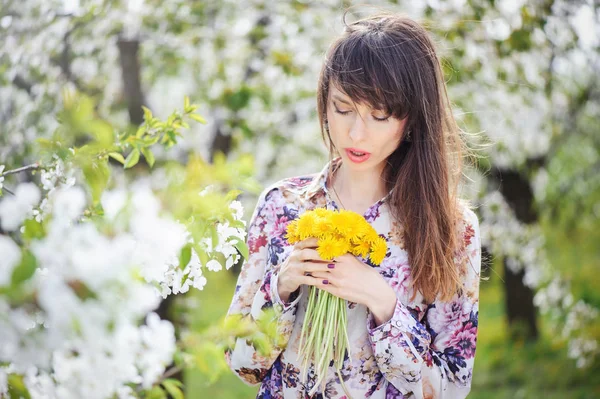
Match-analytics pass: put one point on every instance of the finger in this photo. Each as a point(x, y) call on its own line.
point(323, 276)
point(319, 267)
point(322, 284)
point(344, 256)
point(308, 243)
point(310, 255)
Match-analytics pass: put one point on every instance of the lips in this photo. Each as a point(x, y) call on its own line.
point(357, 155)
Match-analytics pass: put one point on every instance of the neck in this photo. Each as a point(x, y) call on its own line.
point(358, 190)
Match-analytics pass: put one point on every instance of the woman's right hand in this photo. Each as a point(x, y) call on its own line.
point(295, 270)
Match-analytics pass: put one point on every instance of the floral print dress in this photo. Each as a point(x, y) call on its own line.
point(382, 361)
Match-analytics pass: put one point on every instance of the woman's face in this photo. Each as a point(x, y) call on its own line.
point(364, 136)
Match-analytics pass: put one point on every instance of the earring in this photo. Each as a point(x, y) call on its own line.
point(407, 138)
point(326, 125)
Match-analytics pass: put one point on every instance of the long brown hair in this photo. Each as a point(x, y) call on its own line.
point(389, 62)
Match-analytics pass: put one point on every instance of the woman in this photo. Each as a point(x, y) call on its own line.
point(412, 321)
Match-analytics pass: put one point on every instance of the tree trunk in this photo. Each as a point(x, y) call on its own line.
point(134, 97)
point(520, 310)
point(132, 86)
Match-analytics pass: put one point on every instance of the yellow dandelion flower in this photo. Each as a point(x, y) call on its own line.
point(338, 219)
point(322, 227)
point(330, 246)
point(356, 218)
point(306, 223)
point(349, 224)
point(292, 232)
point(360, 248)
point(378, 251)
point(371, 235)
point(322, 212)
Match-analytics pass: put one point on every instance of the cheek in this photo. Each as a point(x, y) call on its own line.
point(389, 141)
point(335, 125)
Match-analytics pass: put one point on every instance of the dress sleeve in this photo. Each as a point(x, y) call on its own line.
point(256, 289)
point(434, 358)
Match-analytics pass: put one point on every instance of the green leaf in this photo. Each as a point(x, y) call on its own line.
point(236, 100)
point(173, 389)
point(232, 195)
point(147, 113)
point(132, 159)
point(186, 103)
point(140, 131)
point(175, 382)
point(202, 255)
point(16, 387)
point(148, 155)
point(185, 255)
point(242, 247)
point(237, 224)
point(150, 140)
point(25, 269)
point(32, 229)
point(197, 118)
point(117, 156)
point(97, 175)
point(156, 393)
point(102, 131)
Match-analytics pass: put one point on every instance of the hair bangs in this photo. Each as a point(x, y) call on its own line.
point(366, 75)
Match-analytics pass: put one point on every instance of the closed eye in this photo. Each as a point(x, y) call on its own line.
point(341, 112)
point(376, 118)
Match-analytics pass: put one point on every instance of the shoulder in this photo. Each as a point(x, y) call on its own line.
point(288, 188)
point(289, 192)
point(468, 222)
point(469, 251)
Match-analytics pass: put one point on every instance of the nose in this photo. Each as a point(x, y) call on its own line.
point(358, 130)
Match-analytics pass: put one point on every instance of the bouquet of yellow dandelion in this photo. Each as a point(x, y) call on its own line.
point(324, 334)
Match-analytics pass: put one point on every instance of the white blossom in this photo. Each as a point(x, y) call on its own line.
point(15, 209)
point(236, 206)
point(69, 203)
point(214, 265)
point(11, 255)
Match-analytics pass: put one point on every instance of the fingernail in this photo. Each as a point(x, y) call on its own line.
point(331, 265)
point(325, 282)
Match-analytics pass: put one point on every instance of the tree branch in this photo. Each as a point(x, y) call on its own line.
point(33, 166)
point(7, 190)
point(170, 372)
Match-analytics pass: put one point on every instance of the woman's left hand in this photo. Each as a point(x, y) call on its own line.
point(353, 280)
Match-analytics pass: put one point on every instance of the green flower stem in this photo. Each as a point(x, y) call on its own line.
point(324, 336)
point(308, 316)
point(307, 351)
point(339, 347)
point(326, 341)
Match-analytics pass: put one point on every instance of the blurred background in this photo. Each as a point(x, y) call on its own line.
point(523, 75)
